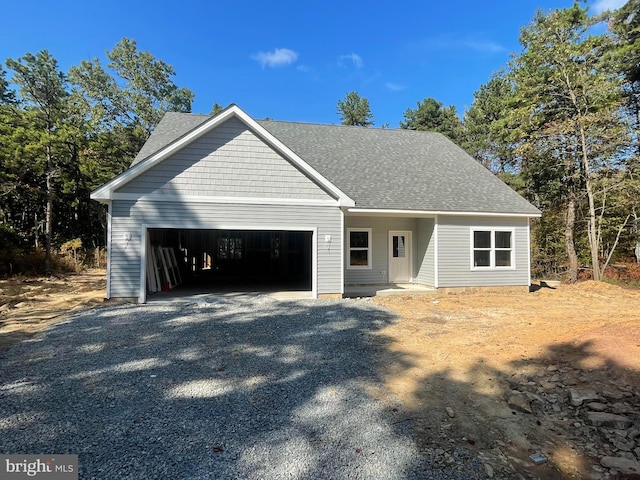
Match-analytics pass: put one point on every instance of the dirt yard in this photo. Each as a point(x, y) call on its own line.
point(544, 372)
point(555, 371)
point(29, 305)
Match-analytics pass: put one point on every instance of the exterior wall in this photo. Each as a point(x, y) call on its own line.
point(454, 253)
point(426, 252)
point(379, 272)
point(128, 218)
point(229, 161)
point(231, 165)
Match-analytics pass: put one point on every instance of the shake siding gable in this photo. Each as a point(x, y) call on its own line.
point(228, 161)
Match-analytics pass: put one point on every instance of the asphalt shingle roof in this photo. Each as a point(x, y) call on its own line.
point(379, 168)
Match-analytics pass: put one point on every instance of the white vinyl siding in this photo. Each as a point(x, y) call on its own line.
point(228, 161)
point(455, 246)
point(426, 251)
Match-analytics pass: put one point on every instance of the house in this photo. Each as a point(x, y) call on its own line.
point(316, 207)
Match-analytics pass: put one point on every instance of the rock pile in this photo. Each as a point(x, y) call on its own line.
point(601, 421)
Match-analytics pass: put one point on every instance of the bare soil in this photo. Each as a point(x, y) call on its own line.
point(467, 352)
point(30, 305)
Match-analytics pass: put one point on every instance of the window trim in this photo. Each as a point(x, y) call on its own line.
point(492, 249)
point(369, 249)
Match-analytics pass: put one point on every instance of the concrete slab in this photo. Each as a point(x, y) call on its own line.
point(388, 290)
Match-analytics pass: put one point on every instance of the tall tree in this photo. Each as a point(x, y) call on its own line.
point(486, 136)
point(216, 109)
point(133, 93)
point(625, 24)
point(354, 110)
point(43, 89)
point(433, 116)
point(568, 114)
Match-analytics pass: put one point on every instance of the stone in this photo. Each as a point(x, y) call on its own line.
point(547, 385)
point(624, 445)
point(450, 412)
point(554, 378)
point(637, 452)
point(552, 368)
point(596, 406)
point(621, 464)
point(612, 394)
point(520, 403)
point(610, 420)
point(621, 408)
point(488, 469)
point(577, 396)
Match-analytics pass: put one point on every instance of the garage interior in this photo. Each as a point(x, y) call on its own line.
point(211, 261)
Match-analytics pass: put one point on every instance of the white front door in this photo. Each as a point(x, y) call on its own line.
point(399, 256)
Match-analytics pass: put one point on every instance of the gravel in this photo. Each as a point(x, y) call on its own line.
point(219, 387)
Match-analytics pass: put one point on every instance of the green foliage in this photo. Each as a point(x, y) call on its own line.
point(216, 109)
point(354, 110)
point(431, 115)
point(486, 132)
point(59, 141)
point(138, 92)
point(566, 118)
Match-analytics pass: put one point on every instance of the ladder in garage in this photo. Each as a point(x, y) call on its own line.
point(162, 267)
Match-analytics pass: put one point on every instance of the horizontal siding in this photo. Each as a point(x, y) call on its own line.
point(129, 216)
point(379, 273)
point(229, 161)
point(425, 258)
point(454, 253)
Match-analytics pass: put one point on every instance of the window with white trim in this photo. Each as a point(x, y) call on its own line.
point(359, 248)
point(492, 248)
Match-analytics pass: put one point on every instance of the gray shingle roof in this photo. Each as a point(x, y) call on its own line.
point(172, 126)
point(380, 168)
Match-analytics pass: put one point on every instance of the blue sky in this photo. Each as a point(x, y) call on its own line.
point(293, 60)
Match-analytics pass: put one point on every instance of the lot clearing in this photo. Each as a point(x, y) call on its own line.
point(503, 376)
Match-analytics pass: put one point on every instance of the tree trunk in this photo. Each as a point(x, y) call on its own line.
point(568, 238)
point(48, 215)
point(594, 240)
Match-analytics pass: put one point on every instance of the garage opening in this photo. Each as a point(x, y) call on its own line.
point(232, 260)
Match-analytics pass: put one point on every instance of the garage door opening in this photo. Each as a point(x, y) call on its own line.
point(211, 261)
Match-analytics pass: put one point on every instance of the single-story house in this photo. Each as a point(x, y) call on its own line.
point(317, 207)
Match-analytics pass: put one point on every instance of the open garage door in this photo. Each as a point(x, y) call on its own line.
point(211, 261)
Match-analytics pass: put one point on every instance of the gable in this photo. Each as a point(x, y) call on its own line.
point(227, 161)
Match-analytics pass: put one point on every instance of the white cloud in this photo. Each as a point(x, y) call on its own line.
point(602, 5)
point(352, 58)
point(278, 58)
point(394, 87)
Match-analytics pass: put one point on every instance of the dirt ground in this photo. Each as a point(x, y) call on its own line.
point(467, 354)
point(29, 305)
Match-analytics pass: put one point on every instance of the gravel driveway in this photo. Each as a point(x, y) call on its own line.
point(222, 387)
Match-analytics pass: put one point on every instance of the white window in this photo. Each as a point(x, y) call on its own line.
point(359, 248)
point(492, 248)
